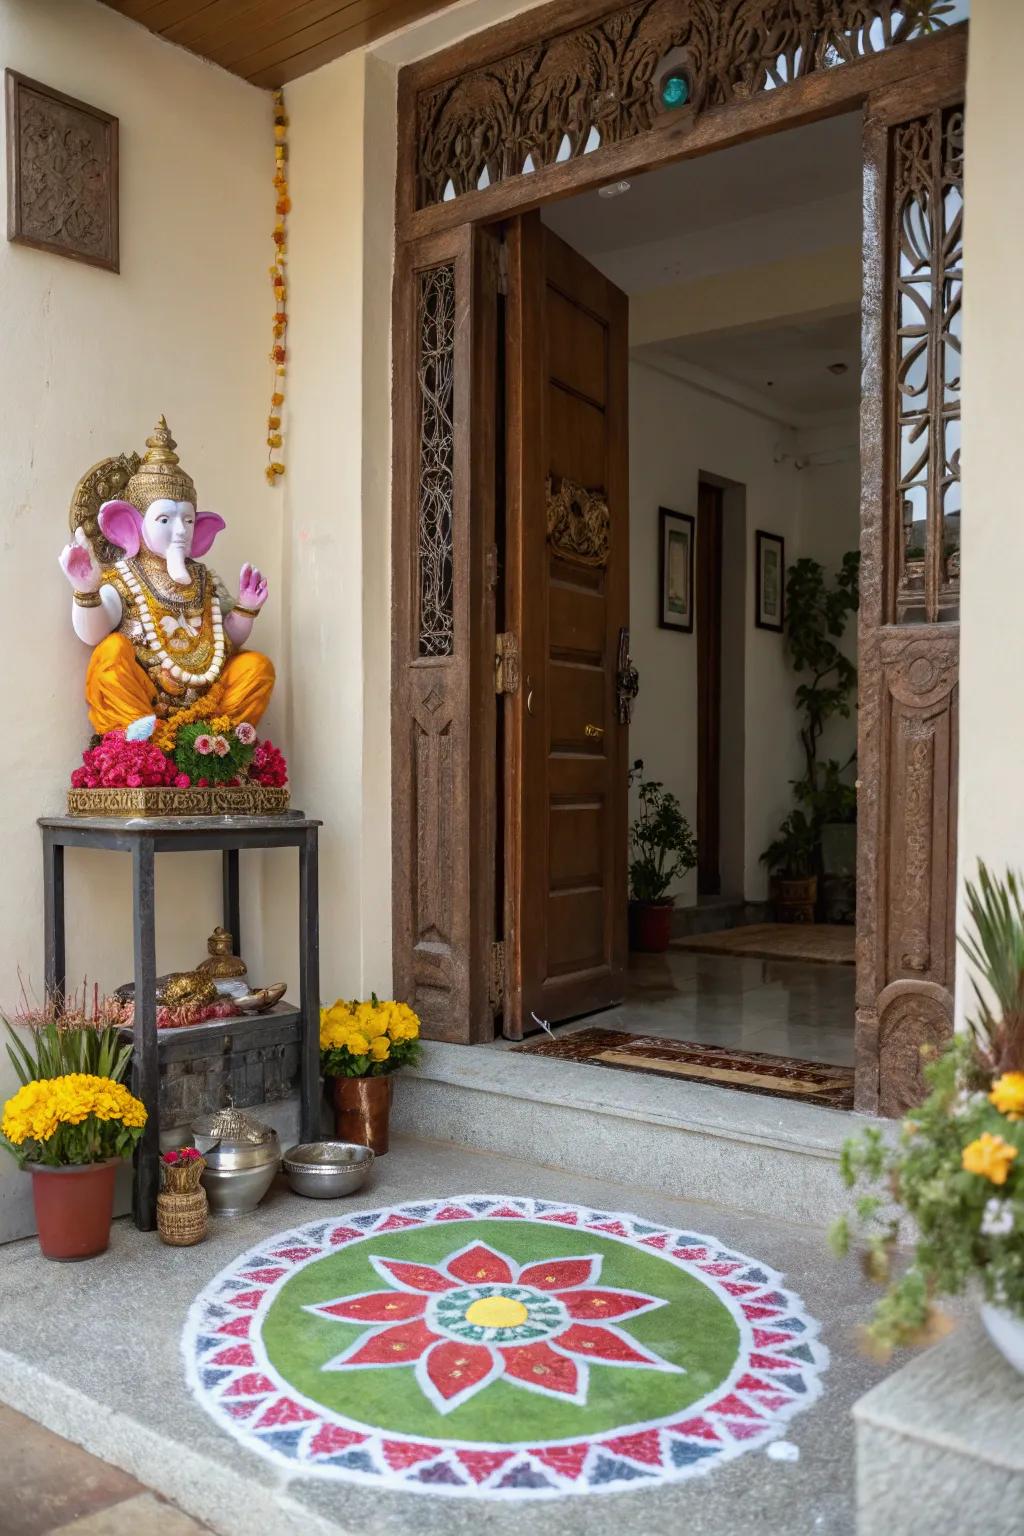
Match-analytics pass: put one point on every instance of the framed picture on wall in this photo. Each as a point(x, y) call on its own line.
point(770, 587)
point(675, 569)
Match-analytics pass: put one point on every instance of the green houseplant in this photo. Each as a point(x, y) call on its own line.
point(72, 1120)
point(957, 1170)
point(817, 613)
point(664, 848)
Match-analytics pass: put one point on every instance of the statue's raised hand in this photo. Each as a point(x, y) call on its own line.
point(80, 565)
point(252, 588)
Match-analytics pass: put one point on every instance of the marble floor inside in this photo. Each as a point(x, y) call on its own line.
point(782, 1007)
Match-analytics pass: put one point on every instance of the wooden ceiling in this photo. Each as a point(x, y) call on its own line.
point(270, 42)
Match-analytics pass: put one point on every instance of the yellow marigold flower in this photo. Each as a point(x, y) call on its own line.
point(990, 1156)
point(380, 1049)
point(358, 1044)
point(1008, 1095)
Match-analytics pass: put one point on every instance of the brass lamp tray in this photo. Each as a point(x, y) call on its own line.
point(216, 800)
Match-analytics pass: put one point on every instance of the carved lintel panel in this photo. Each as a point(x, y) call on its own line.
point(62, 182)
point(436, 381)
point(568, 94)
point(579, 524)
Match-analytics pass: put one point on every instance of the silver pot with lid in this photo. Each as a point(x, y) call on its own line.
point(242, 1159)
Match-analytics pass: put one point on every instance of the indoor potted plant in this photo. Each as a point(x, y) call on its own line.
point(664, 848)
point(362, 1046)
point(958, 1168)
point(791, 860)
point(70, 1123)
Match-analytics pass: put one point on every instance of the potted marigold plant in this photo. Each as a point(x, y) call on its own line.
point(362, 1046)
point(958, 1168)
point(71, 1122)
point(663, 849)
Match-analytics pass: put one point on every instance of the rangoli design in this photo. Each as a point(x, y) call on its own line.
point(500, 1347)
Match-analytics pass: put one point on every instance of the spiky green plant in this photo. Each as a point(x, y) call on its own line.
point(996, 952)
point(63, 1036)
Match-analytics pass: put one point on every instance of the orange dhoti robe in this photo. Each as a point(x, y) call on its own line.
point(119, 691)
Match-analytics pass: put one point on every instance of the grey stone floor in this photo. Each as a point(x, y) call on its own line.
point(92, 1351)
point(782, 1007)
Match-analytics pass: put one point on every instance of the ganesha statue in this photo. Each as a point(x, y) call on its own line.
point(169, 673)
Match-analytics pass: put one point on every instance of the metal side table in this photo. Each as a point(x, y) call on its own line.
point(143, 838)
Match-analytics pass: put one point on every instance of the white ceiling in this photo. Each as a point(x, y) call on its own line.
point(790, 193)
point(788, 364)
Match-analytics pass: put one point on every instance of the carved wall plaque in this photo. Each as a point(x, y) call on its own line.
point(61, 174)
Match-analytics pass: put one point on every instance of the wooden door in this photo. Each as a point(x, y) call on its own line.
point(709, 687)
point(909, 633)
point(443, 623)
point(567, 601)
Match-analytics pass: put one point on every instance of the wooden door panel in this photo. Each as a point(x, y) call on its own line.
point(443, 621)
point(567, 597)
point(908, 631)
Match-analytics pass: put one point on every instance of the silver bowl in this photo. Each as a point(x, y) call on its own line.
point(235, 1191)
point(327, 1169)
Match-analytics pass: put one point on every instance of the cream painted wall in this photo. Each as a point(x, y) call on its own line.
point(677, 432)
point(991, 815)
point(90, 359)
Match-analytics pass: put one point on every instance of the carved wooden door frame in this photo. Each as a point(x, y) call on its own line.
point(540, 86)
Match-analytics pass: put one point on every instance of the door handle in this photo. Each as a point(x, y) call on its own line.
point(529, 695)
point(595, 732)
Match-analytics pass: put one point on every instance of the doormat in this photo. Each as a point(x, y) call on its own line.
point(815, 943)
point(784, 1077)
point(502, 1348)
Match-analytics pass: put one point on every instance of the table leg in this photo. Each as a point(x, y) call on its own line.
point(232, 901)
point(309, 986)
point(54, 964)
point(146, 1054)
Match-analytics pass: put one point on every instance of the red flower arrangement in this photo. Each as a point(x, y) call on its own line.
point(268, 766)
point(117, 763)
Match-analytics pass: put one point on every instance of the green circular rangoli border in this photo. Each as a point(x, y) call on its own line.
point(233, 1372)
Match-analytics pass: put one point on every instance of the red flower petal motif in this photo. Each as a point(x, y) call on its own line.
point(373, 1307)
point(411, 1277)
point(387, 1346)
point(452, 1372)
point(538, 1367)
point(478, 1265)
point(609, 1347)
point(561, 1274)
point(590, 1305)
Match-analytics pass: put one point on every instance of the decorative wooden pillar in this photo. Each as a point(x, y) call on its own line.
point(909, 629)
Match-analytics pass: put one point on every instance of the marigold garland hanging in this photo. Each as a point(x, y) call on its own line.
point(278, 278)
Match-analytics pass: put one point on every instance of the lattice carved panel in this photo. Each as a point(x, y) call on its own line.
point(436, 489)
point(600, 84)
point(927, 263)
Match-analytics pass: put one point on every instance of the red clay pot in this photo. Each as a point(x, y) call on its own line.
point(650, 926)
point(362, 1109)
point(74, 1209)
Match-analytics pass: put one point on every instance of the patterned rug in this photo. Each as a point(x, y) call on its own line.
point(816, 943)
point(499, 1347)
point(813, 1082)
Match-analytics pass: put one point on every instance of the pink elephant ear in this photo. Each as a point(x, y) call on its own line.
point(208, 525)
point(121, 523)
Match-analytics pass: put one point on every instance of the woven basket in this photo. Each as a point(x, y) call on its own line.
point(181, 1219)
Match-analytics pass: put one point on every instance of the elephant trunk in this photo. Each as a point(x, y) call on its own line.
point(176, 567)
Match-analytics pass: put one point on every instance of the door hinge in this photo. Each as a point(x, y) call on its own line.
point(506, 663)
point(496, 980)
point(503, 268)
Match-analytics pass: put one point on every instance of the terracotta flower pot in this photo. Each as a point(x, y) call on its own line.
point(74, 1208)
point(650, 926)
point(362, 1108)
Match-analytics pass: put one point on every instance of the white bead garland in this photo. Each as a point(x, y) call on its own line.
point(181, 674)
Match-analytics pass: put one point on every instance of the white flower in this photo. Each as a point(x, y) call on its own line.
point(997, 1218)
point(246, 733)
point(204, 745)
point(221, 746)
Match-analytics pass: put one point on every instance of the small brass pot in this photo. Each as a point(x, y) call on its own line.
point(362, 1109)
